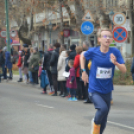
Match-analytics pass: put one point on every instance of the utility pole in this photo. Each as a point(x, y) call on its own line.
point(7, 27)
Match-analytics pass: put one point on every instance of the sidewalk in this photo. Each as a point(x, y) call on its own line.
point(15, 80)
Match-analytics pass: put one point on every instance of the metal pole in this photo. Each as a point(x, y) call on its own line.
point(7, 27)
point(50, 36)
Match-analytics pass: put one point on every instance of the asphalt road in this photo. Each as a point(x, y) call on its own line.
point(23, 110)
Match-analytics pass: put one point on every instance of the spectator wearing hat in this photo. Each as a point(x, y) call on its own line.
point(73, 52)
point(46, 66)
point(71, 56)
point(25, 64)
point(53, 64)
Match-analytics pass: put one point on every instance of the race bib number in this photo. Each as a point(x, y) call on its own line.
point(103, 73)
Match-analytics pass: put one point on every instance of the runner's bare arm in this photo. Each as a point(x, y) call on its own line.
point(121, 67)
point(84, 74)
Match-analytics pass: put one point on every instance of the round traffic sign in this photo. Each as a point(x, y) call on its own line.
point(13, 33)
point(87, 27)
point(3, 34)
point(119, 19)
point(11, 41)
point(120, 34)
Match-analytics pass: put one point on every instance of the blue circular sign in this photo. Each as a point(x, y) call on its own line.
point(120, 34)
point(87, 27)
point(11, 41)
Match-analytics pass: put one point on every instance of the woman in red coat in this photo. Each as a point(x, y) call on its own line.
point(19, 66)
point(79, 49)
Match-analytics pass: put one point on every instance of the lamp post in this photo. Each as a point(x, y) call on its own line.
point(7, 26)
point(50, 29)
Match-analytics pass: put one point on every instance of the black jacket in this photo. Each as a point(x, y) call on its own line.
point(26, 57)
point(46, 62)
point(71, 57)
point(132, 66)
point(2, 58)
point(54, 61)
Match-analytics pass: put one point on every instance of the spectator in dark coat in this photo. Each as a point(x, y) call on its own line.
point(8, 63)
point(71, 56)
point(53, 64)
point(73, 52)
point(46, 66)
point(2, 62)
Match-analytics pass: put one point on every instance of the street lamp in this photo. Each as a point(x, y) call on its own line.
point(50, 29)
point(111, 18)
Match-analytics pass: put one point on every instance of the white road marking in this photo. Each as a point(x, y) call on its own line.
point(45, 106)
point(121, 125)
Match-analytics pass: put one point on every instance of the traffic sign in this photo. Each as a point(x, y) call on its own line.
point(120, 34)
point(3, 34)
point(88, 17)
point(119, 19)
point(87, 27)
point(11, 41)
point(13, 33)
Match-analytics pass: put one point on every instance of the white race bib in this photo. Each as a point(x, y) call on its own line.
point(103, 73)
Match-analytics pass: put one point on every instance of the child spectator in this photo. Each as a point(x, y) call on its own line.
point(71, 81)
point(19, 66)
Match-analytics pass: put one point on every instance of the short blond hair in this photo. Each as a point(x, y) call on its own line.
point(103, 29)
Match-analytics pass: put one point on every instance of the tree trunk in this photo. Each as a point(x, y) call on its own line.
point(79, 13)
point(61, 24)
point(103, 18)
point(71, 15)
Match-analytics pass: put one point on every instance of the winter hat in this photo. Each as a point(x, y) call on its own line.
point(25, 45)
point(72, 47)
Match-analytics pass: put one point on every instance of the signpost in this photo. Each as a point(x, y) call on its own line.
point(13, 33)
point(119, 19)
point(87, 27)
point(88, 17)
point(11, 41)
point(120, 34)
point(3, 34)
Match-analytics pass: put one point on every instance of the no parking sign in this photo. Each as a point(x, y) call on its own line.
point(120, 34)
